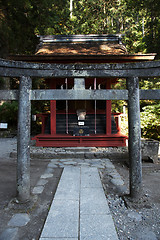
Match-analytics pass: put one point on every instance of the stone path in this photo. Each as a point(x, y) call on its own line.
point(79, 210)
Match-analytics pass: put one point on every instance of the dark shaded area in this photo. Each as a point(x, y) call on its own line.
point(38, 212)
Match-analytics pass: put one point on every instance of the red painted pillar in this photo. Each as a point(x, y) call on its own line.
point(53, 113)
point(108, 110)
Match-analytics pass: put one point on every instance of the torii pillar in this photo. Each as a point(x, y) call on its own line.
point(135, 159)
point(23, 140)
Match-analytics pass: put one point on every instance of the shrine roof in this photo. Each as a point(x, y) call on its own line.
point(82, 48)
point(81, 45)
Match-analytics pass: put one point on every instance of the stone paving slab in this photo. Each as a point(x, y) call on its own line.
point(69, 184)
point(62, 220)
point(19, 220)
point(97, 227)
point(57, 239)
point(9, 234)
point(79, 210)
point(69, 208)
point(90, 177)
point(93, 201)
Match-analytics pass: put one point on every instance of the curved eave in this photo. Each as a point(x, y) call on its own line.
point(84, 58)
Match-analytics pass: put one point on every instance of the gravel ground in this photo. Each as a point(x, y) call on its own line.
point(135, 220)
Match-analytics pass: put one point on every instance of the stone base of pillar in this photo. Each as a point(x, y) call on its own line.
point(18, 205)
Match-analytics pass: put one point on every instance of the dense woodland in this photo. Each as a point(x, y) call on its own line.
point(22, 20)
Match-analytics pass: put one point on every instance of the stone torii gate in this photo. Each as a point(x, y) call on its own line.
point(25, 71)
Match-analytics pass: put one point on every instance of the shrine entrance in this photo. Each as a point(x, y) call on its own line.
point(80, 122)
point(26, 71)
point(100, 126)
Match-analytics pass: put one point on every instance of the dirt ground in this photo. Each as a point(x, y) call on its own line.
point(39, 210)
point(133, 221)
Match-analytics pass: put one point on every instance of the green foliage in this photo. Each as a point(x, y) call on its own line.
point(151, 83)
point(2, 83)
point(23, 20)
point(150, 111)
point(8, 113)
point(117, 106)
point(150, 121)
point(38, 107)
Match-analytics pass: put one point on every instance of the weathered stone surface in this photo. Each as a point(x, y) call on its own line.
point(93, 202)
point(135, 215)
point(62, 221)
point(90, 178)
point(17, 69)
point(99, 227)
point(58, 238)
point(92, 215)
point(87, 94)
point(117, 181)
point(50, 170)
point(38, 190)
point(69, 163)
point(150, 149)
point(9, 234)
point(42, 182)
point(134, 145)
point(110, 165)
point(19, 220)
point(52, 165)
point(70, 191)
point(23, 140)
point(146, 235)
point(47, 175)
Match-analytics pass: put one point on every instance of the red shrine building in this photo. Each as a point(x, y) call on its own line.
point(88, 123)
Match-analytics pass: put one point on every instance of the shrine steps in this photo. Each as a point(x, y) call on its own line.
point(64, 140)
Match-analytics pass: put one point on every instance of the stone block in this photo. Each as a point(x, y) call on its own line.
point(9, 234)
point(38, 190)
point(19, 220)
point(97, 227)
point(150, 149)
point(62, 220)
point(60, 229)
point(90, 178)
point(42, 182)
point(93, 201)
point(117, 181)
point(58, 238)
point(47, 175)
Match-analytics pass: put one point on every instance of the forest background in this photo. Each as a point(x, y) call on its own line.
point(22, 20)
